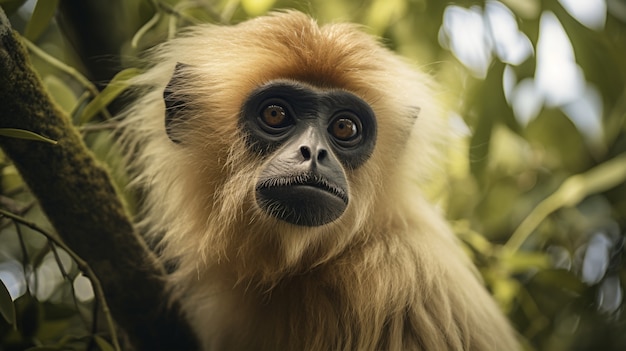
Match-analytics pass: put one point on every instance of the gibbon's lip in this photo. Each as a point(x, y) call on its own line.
point(307, 199)
point(305, 179)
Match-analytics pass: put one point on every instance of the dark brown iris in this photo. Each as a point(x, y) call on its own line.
point(344, 129)
point(274, 115)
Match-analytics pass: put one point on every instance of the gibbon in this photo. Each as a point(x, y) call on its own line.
point(281, 163)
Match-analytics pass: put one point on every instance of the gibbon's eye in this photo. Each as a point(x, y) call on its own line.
point(275, 118)
point(346, 129)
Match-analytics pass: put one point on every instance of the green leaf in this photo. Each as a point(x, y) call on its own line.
point(383, 12)
point(257, 7)
point(118, 84)
point(39, 21)
point(559, 281)
point(7, 308)
point(103, 344)
point(61, 93)
point(24, 134)
point(552, 290)
point(505, 291)
point(574, 189)
point(474, 239)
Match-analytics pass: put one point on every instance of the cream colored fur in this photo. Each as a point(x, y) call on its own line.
point(387, 275)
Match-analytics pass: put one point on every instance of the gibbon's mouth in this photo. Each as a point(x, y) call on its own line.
point(305, 179)
point(305, 199)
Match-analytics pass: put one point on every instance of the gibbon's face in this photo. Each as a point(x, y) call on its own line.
point(306, 126)
point(310, 136)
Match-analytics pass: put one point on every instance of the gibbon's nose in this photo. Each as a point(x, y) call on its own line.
point(317, 154)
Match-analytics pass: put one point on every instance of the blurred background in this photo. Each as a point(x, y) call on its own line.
point(535, 184)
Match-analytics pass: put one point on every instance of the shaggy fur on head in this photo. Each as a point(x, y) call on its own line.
point(386, 275)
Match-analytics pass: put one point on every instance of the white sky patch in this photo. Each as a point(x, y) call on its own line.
point(12, 275)
point(509, 80)
point(590, 13)
point(526, 101)
point(586, 113)
point(463, 32)
point(476, 37)
point(559, 79)
point(83, 288)
point(510, 44)
point(49, 276)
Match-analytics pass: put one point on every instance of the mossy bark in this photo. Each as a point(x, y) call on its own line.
point(81, 202)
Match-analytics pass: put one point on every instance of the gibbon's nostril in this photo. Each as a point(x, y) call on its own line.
point(321, 155)
point(306, 152)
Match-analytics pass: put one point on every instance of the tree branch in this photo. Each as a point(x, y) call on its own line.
point(78, 197)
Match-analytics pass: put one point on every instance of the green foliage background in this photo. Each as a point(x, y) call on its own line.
point(540, 209)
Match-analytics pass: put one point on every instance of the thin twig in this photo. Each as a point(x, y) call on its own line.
point(134, 43)
point(84, 267)
point(71, 71)
point(66, 276)
point(15, 206)
point(573, 190)
point(88, 128)
point(25, 257)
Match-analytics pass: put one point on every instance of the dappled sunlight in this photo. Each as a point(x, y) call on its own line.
point(474, 37)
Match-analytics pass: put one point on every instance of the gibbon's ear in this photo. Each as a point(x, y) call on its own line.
point(175, 102)
point(415, 112)
point(413, 116)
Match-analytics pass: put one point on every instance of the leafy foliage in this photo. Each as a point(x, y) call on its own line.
point(535, 188)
